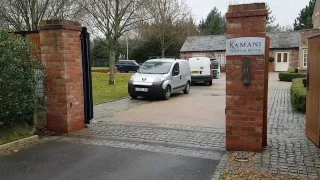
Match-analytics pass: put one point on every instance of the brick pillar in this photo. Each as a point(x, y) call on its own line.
point(245, 104)
point(61, 54)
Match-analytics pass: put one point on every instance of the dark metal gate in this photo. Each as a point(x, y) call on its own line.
point(87, 76)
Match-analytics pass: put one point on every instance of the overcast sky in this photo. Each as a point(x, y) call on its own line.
point(285, 11)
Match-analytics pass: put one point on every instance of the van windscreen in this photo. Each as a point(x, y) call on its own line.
point(155, 68)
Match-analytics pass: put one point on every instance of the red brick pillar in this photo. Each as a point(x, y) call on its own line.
point(61, 54)
point(246, 103)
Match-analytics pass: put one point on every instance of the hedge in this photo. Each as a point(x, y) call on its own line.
point(17, 80)
point(288, 76)
point(298, 94)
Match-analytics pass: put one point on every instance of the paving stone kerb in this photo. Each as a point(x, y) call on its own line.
point(245, 103)
point(61, 54)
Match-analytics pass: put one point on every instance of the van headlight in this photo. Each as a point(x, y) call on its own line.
point(158, 79)
point(132, 78)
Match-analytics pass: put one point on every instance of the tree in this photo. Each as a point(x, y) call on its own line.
point(25, 15)
point(304, 20)
point(99, 52)
point(271, 27)
point(214, 24)
point(113, 18)
point(169, 21)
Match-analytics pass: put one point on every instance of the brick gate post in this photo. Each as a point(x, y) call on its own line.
point(246, 97)
point(61, 54)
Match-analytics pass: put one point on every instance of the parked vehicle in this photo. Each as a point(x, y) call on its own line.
point(201, 70)
point(216, 68)
point(127, 66)
point(160, 78)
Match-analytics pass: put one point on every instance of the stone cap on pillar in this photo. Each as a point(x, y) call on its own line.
point(247, 10)
point(60, 24)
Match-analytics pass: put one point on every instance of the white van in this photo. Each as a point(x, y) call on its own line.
point(160, 78)
point(201, 70)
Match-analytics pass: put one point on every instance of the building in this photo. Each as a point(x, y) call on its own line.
point(289, 49)
point(284, 47)
point(316, 15)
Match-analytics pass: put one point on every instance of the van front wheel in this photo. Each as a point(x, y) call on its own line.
point(167, 93)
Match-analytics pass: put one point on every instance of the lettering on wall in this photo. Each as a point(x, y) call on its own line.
point(245, 46)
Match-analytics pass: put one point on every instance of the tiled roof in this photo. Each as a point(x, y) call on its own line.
point(279, 40)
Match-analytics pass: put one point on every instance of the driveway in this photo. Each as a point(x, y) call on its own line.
point(204, 106)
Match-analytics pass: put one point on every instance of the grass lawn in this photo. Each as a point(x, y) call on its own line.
point(103, 92)
point(18, 132)
point(99, 68)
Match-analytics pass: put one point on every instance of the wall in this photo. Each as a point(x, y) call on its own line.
point(316, 15)
point(209, 54)
point(293, 55)
point(305, 34)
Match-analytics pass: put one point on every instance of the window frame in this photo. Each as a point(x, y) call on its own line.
point(219, 57)
point(305, 58)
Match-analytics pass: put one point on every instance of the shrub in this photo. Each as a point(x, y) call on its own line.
point(286, 76)
point(17, 80)
point(304, 82)
point(291, 70)
point(298, 94)
point(271, 59)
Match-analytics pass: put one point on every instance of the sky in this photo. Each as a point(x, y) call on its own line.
point(285, 11)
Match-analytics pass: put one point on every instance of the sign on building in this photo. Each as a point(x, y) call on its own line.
point(245, 46)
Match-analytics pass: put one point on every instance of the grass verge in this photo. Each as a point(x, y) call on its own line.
point(99, 68)
point(103, 92)
point(16, 133)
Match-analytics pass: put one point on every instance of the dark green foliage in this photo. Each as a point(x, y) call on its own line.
point(99, 53)
point(17, 80)
point(214, 24)
point(287, 76)
point(304, 82)
point(304, 21)
point(298, 94)
point(271, 59)
point(142, 50)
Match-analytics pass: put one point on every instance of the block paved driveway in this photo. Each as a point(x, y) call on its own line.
point(204, 106)
point(175, 147)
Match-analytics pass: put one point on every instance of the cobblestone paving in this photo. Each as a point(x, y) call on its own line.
point(289, 151)
point(195, 137)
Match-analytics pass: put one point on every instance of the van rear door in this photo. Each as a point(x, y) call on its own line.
point(199, 66)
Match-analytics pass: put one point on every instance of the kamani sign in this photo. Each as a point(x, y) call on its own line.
point(246, 46)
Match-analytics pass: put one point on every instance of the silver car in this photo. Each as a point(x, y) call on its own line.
point(160, 78)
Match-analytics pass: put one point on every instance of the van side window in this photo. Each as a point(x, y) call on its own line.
point(176, 69)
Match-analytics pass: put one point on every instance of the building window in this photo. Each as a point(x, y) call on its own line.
point(221, 58)
point(305, 57)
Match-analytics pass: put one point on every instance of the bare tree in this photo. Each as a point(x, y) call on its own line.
point(166, 19)
point(26, 15)
point(113, 18)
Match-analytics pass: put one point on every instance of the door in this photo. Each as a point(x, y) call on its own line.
point(282, 61)
point(313, 91)
point(176, 77)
